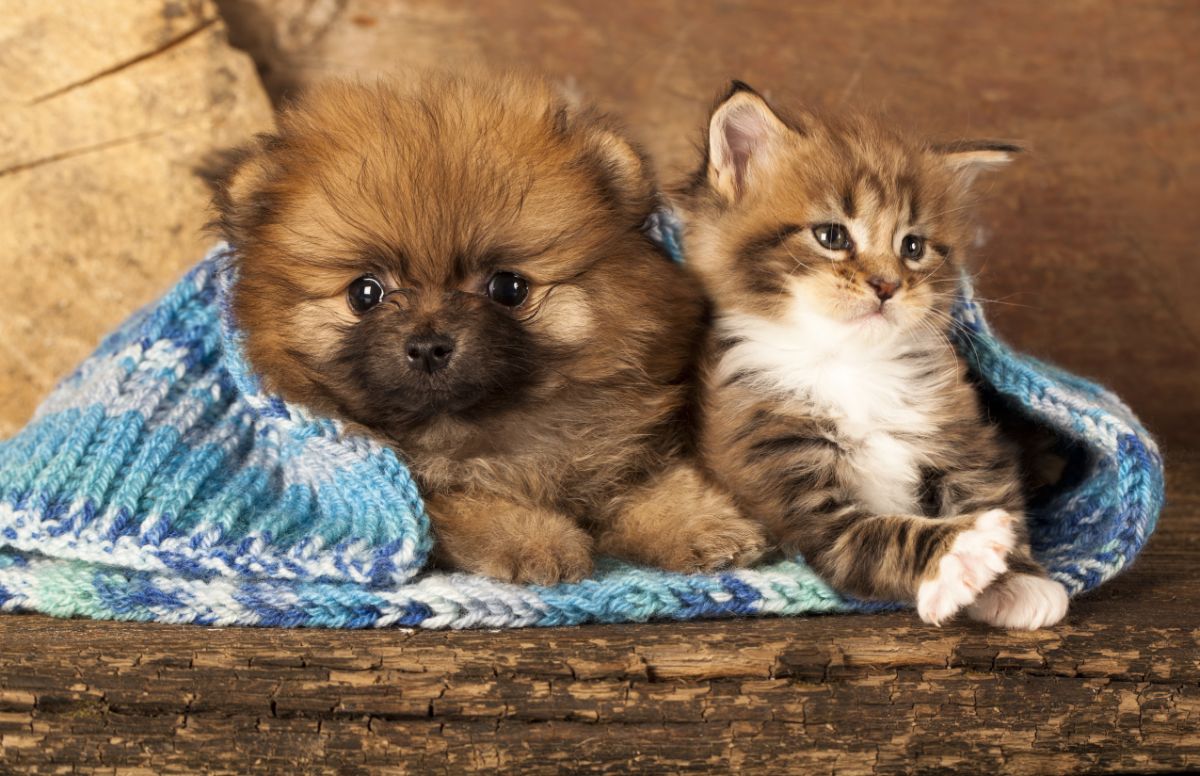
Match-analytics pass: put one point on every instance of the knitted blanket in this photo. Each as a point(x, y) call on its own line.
point(159, 482)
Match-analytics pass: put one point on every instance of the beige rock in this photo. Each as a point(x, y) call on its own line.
point(106, 109)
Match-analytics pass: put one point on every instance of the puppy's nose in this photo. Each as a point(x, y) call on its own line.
point(429, 352)
point(884, 289)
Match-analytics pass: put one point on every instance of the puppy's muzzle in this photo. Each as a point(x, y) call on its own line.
point(429, 352)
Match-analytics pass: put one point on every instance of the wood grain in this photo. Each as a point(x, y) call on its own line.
point(1116, 688)
point(1087, 244)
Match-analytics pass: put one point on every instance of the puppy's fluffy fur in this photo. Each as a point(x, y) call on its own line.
point(533, 429)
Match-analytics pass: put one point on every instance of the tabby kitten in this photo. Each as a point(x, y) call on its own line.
point(835, 407)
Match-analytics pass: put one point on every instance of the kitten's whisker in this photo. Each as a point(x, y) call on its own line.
point(956, 324)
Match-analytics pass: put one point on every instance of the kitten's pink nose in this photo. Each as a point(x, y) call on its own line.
point(884, 289)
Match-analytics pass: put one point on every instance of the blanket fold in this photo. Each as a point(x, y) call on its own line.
point(160, 482)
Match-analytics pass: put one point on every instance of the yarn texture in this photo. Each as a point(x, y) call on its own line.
point(160, 482)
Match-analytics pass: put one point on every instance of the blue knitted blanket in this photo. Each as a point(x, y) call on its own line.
point(159, 482)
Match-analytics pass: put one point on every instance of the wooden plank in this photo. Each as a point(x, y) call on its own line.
point(1116, 688)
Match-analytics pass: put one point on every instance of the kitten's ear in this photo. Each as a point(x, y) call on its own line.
point(236, 176)
point(968, 158)
point(743, 133)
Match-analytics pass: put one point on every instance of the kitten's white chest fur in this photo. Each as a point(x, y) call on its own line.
point(880, 402)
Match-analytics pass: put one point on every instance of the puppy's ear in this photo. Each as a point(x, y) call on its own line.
point(621, 171)
point(967, 158)
point(744, 133)
point(624, 170)
point(237, 178)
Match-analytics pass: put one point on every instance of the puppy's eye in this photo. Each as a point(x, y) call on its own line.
point(833, 237)
point(364, 293)
point(508, 289)
point(912, 248)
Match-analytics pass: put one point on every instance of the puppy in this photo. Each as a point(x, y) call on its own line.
point(457, 267)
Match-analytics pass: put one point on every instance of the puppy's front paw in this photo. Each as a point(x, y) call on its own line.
point(546, 557)
point(976, 557)
point(1021, 602)
point(705, 542)
point(681, 523)
point(509, 541)
point(714, 542)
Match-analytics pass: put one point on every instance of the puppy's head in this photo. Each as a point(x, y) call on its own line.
point(446, 248)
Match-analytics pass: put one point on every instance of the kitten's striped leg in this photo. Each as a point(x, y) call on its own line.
point(1025, 597)
point(940, 564)
point(789, 471)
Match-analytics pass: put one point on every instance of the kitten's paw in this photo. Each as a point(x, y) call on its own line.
point(559, 555)
point(1021, 602)
point(976, 557)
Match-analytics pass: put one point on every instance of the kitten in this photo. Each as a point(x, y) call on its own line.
point(458, 267)
point(835, 408)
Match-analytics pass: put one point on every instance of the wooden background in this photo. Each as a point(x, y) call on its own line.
point(1088, 250)
point(1089, 239)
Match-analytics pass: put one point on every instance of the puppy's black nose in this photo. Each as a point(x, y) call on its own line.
point(884, 289)
point(429, 352)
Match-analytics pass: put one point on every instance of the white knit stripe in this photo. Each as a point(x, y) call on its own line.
point(458, 600)
point(313, 560)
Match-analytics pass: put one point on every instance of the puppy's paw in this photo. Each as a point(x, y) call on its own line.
point(509, 541)
point(682, 523)
point(713, 542)
point(1021, 602)
point(975, 558)
point(553, 554)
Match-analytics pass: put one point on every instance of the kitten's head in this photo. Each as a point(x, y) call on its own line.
point(446, 248)
point(843, 225)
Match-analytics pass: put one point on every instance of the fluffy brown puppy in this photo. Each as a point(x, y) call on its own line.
point(458, 267)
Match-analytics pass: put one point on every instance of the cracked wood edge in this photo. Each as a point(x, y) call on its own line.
point(823, 695)
point(1115, 689)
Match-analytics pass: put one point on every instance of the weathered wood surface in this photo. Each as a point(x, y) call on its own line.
point(1115, 688)
point(105, 109)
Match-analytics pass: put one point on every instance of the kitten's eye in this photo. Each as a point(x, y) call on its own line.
point(508, 289)
point(833, 237)
point(912, 247)
point(364, 293)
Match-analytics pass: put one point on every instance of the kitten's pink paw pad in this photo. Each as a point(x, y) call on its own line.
point(1021, 602)
point(976, 557)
